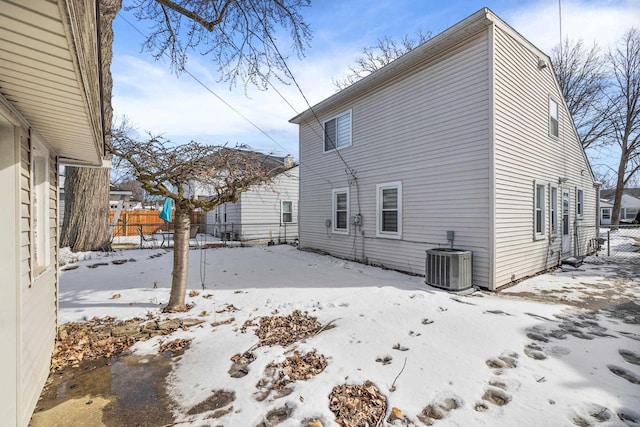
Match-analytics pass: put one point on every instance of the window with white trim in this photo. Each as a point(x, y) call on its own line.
point(630, 213)
point(538, 203)
point(606, 213)
point(389, 210)
point(553, 210)
point(579, 203)
point(337, 132)
point(40, 207)
point(554, 122)
point(287, 211)
point(340, 218)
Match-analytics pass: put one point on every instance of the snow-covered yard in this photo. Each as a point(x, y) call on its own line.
point(558, 349)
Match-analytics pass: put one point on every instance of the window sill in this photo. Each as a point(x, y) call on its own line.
point(539, 237)
point(341, 232)
point(335, 149)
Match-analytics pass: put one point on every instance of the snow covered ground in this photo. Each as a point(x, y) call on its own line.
point(559, 349)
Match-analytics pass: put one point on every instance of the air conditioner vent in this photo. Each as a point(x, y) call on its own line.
point(448, 269)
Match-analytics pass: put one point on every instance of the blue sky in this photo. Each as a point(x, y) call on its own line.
point(159, 102)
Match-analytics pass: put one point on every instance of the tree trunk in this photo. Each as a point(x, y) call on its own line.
point(617, 200)
point(182, 225)
point(86, 210)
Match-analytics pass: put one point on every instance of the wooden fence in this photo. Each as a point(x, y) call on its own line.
point(130, 220)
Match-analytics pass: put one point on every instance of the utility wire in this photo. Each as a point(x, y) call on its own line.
point(275, 47)
point(186, 71)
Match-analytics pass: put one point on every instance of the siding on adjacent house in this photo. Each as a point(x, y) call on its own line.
point(261, 209)
point(524, 153)
point(431, 131)
point(257, 213)
point(38, 293)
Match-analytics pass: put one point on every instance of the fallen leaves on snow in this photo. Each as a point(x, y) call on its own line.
point(285, 330)
point(357, 405)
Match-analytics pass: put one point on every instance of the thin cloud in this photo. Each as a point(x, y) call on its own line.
point(181, 109)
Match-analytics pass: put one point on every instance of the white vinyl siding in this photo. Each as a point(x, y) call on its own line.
point(464, 125)
point(40, 212)
point(389, 210)
point(337, 132)
point(340, 220)
point(429, 130)
point(36, 314)
point(525, 151)
point(260, 212)
point(554, 119)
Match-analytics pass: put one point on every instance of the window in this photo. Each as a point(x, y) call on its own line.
point(579, 204)
point(554, 210)
point(539, 210)
point(389, 210)
point(287, 211)
point(340, 211)
point(40, 211)
point(337, 132)
point(630, 213)
point(553, 118)
point(606, 213)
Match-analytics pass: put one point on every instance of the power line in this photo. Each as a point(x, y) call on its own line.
point(350, 170)
point(232, 108)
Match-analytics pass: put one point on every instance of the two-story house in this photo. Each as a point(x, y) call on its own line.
point(465, 141)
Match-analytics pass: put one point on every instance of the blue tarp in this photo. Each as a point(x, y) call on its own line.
point(165, 213)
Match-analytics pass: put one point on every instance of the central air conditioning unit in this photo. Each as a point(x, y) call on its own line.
point(448, 269)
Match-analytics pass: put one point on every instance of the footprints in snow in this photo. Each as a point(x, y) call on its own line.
point(497, 393)
point(439, 409)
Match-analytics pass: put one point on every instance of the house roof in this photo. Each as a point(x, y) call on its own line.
point(50, 74)
point(609, 194)
point(427, 52)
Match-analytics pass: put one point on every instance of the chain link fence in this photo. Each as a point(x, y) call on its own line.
point(160, 234)
point(620, 245)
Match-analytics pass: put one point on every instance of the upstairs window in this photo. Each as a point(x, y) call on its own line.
point(553, 118)
point(337, 132)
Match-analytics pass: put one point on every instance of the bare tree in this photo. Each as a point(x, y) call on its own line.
point(383, 52)
point(237, 35)
point(582, 77)
point(167, 170)
point(624, 115)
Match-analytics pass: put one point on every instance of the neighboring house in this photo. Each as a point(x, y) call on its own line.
point(118, 198)
point(50, 115)
point(266, 212)
point(122, 199)
point(468, 133)
point(629, 205)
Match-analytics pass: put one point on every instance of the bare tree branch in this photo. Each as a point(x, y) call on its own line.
point(383, 52)
point(582, 77)
point(624, 115)
point(232, 32)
